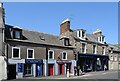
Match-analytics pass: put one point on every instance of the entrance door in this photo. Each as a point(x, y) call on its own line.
point(68, 67)
point(51, 69)
point(61, 69)
point(11, 72)
point(39, 70)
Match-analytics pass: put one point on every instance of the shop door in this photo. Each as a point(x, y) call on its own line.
point(11, 72)
point(39, 70)
point(51, 69)
point(61, 69)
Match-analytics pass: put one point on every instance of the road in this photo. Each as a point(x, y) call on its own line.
point(90, 75)
point(100, 75)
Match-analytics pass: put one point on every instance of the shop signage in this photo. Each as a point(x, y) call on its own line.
point(33, 61)
point(63, 61)
point(20, 65)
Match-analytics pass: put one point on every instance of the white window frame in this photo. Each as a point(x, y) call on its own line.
point(84, 49)
point(62, 55)
point(19, 53)
point(95, 49)
point(27, 53)
point(48, 54)
point(100, 38)
point(78, 32)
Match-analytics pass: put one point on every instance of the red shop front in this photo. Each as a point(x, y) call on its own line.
point(63, 65)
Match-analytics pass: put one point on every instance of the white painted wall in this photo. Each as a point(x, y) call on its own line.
point(3, 68)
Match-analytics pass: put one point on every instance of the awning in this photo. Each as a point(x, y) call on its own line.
point(93, 55)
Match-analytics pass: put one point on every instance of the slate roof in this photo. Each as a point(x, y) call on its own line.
point(115, 48)
point(90, 37)
point(42, 37)
point(39, 37)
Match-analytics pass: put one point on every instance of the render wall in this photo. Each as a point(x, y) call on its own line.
point(3, 68)
point(39, 51)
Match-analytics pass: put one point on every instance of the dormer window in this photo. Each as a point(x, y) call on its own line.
point(101, 39)
point(81, 34)
point(16, 34)
point(66, 41)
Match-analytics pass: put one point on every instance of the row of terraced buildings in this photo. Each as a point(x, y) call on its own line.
point(25, 53)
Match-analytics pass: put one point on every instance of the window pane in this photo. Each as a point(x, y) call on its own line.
point(102, 39)
point(79, 34)
point(83, 48)
point(27, 68)
point(94, 48)
point(83, 33)
point(50, 54)
point(16, 53)
point(103, 49)
point(17, 34)
point(66, 42)
point(30, 53)
point(64, 55)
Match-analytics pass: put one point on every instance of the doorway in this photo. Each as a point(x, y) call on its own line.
point(11, 72)
point(61, 69)
point(50, 69)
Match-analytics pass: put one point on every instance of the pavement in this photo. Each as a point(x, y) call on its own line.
point(84, 76)
point(56, 77)
point(88, 75)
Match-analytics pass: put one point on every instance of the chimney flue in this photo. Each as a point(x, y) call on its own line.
point(97, 32)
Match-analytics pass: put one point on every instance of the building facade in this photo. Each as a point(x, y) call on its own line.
point(90, 48)
point(3, 59)
point(114, 52)
point(25, 53)
point(35, 54)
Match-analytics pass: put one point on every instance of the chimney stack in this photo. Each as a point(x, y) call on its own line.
point(65, 26)
point(97, 32)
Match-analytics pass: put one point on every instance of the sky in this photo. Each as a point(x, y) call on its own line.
point(46, 17)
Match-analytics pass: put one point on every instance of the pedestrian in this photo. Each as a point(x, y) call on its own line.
point(75, 71)
point(105, 67)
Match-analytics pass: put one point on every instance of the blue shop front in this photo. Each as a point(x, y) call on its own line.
point(33, 67)
point(92, 62)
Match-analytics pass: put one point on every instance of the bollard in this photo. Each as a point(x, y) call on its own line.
point(67, 72)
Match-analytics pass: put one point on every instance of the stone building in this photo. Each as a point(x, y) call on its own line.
point(26, 53)
point(90, 48)
point(114, 53)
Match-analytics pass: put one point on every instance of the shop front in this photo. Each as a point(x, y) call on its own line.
point(63, 65)
point(15, 68)
point(92, 62)
point(33, 67)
